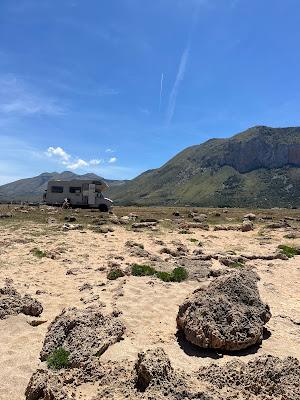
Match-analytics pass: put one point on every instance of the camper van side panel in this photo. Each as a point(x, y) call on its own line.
point(80, 193)
point(58, 191)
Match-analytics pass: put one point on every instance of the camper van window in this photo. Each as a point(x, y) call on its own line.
point(57, 189)
point(75, 189)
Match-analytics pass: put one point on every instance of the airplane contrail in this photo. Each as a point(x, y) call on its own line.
point(179, 78)
point(161, 89)
point(183, 63)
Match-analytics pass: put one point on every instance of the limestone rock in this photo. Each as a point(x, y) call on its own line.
point(12, 303)
point(227, 315)
point(250, 217)
point(44, 385)
point(84, 333)
point(247, 226)
point(265, 377)
point(152, 364)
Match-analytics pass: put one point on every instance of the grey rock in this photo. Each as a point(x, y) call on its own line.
point(227, 315)
point(12, 303)
point(152, 365)
point(84, 333)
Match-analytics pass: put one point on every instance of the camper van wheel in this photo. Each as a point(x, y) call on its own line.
point(103, 208)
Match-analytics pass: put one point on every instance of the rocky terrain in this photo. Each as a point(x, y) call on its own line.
point(149, 303)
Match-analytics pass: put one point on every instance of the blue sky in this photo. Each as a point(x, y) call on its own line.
point(117, 87)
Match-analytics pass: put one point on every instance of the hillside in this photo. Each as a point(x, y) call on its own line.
point(32, 189)
point(257, 168)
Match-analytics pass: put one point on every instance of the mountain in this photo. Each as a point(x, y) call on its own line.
point(259, 167)
point(32, 189)
point(256, 168)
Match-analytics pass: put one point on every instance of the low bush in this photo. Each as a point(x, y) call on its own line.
point(164, 276)
point(58, 359)
point(288, 250)
point(142, 270)
point(236, 264)
point(115, 274)
point(38, 253)
point(179, 274)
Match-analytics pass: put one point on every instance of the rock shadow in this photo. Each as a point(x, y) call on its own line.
point(195, 351)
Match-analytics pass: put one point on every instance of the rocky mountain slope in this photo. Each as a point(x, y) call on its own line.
point(256, 168)
point(259, 167)
point(32, 189)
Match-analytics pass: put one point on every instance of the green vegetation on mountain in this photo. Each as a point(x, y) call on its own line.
point(256, 168)
point(32, 189)
point(259, 167)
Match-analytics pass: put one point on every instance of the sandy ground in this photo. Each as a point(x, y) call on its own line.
point(149, 306)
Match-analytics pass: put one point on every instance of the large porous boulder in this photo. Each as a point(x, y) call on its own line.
point(152, 365)
point(200, 217)
point(44, 385)
point(83, 333)
point(250, 217)
point(265, 377)
point(247, 226)
point(150, 378)
point(12, 303)
point(227, 315)
point(262, 378)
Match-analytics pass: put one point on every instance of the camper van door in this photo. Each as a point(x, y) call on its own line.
point(92, 194)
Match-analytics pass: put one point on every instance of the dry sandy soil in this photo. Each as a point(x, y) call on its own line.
point(149, 306)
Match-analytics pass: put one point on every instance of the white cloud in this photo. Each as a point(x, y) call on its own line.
point(145, 111)
point(109, 151)
point(78, 164)
point(61, 156)
point(19, 98)
point(95, 162)
point(58, 152)
point(105, 91)
point(27, 106)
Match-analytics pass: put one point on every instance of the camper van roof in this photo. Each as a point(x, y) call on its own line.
point(96, 181)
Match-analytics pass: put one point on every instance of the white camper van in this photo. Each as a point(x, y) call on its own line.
point(78, 193)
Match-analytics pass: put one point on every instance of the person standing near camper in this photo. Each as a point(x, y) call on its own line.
point(66, 203)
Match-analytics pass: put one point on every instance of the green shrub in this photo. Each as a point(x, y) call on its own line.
point(193, 240)
point(179, 274)
point(115, 274)
point(58, 359)
point(288, 251)
point(232, 252)
point(236, 264)
point(164, 276)
point(38, 253)
point(142, 270)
